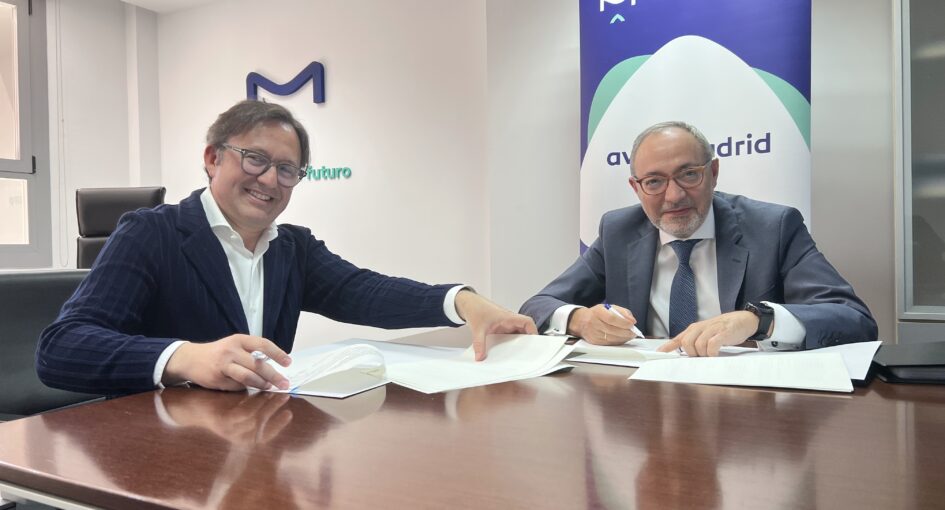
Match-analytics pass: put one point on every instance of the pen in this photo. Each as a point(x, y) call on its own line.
point(634, 328)
point(259, 356)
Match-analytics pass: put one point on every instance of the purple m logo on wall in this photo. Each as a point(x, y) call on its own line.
point(314, 71)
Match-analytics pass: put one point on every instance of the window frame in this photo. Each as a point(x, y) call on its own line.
point(33, 163)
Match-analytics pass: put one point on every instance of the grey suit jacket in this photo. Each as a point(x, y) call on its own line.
point(764, 253)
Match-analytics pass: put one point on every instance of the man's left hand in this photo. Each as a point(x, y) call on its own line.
point(706, 338)
point(485, 318)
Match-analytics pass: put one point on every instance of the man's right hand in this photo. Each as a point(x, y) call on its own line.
point(600, 326)
point(227, 364)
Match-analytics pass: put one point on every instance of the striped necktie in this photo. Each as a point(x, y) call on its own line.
point(682, 296)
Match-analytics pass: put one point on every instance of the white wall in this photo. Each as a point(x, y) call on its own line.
point(405, 109)
point(88, 109)
point(144, 116)
point(534, 146)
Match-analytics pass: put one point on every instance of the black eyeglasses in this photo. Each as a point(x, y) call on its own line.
point(688, 177)
point(256, 164)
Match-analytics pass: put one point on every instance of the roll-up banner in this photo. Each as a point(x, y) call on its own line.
point(738, 70)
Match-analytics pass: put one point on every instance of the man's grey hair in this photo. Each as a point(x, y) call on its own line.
point(246, 115)
point(662, 126)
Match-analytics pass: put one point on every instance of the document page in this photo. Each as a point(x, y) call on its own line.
point(636, 352)
point(631, 354)
point(808, 370)
point(510, 357)
point(333, 370)
point(857, 356)
point(395, 353)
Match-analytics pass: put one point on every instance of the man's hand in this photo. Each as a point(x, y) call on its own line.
point(485, 318)
point(600, 326)
point(227, 364)
point(706, 338)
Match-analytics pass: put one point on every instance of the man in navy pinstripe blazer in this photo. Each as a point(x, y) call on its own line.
point(187, 292)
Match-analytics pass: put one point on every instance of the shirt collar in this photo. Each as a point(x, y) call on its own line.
point(705, 231)
point(218, 221)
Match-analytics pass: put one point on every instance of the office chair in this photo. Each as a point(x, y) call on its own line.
point(98, 211)
point(30, 301)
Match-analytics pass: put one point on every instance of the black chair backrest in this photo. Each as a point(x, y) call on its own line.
point(29, 302)
point(98, 211)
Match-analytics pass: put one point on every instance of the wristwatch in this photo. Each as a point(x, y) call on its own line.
point(765, 316)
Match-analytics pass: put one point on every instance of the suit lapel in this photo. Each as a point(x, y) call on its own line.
point(641, 256)
point(277, 263)
point(731, 257)
point(202, 249)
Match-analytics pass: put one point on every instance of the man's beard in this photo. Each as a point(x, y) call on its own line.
point(680, 227)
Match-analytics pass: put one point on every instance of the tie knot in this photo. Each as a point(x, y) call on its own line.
point(683, 249)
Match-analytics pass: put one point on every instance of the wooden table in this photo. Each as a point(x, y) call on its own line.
point(584, 439)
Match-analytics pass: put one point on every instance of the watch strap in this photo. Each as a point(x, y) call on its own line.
point(765, 316)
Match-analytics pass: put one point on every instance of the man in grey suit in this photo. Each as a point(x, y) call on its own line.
point(704, 268)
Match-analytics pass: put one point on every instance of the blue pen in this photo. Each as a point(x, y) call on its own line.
point(634, 328)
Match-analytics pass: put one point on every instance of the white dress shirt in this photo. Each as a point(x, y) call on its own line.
point(246, 267)
point(788, 333)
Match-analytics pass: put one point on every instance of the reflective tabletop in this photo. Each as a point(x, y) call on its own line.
point(588, 438)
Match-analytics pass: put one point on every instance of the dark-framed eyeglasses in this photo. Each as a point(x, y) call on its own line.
point(687, 178)
point(255, 164)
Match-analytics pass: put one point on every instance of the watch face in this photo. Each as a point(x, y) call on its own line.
point(759, 309)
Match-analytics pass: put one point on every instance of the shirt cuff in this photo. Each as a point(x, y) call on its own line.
point(558, 325)
point(162, 362)
point(788, 333)
point(449, 304)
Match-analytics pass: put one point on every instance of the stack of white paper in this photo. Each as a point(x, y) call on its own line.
point(787, 371)
point(352, 366)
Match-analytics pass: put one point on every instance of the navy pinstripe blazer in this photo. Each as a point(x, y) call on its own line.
point(163, 276)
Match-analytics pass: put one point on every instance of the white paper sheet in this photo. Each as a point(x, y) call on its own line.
point(340, 384)
point(631, 354)
point(395, 353)
point(510, 357)
point(336, 371)
point(857, 357)
point(636, 352)
point(817, 370)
